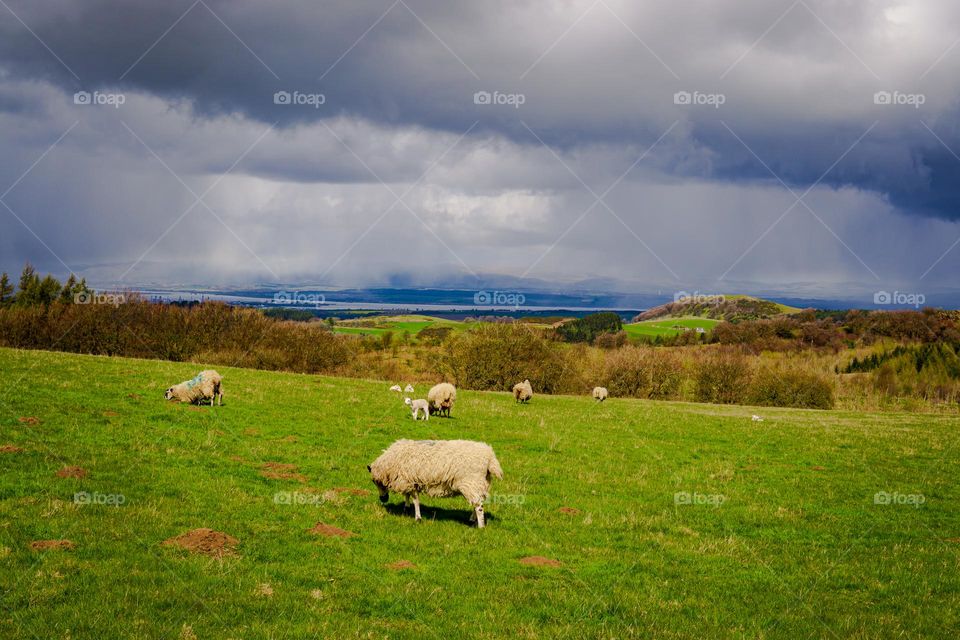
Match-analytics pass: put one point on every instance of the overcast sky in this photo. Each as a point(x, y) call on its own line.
point(642, 146)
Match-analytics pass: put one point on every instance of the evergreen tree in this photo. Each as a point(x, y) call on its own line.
point(6, 290)
point(28, 291)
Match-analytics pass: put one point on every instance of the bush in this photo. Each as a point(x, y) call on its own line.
point(800, 389)
point(722, 378)
point(587, 328)
point(643, 372)
point(497, 356)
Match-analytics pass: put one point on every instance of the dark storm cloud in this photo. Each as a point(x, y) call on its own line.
point(798, 95)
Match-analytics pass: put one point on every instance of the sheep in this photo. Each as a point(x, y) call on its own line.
point(206, 385)
point(600, 394)
point(441, 398)
point(408, 388)
point(417, 406)
point(522, 391)
point(396, 388)
point(438, 468)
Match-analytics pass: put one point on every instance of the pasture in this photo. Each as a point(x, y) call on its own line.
point(624, 519)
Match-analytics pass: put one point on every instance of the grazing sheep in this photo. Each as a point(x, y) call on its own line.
point(417, 406)
point(438, 468)
point(396, 387)
point(441, 398)
point(756, 418)
point(409, 388)
point(600, 394)
point(206, 385)
point(522, 391)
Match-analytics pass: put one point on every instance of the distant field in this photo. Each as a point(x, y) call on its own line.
point(668, 326)
point(627, 519)
point(413, 324)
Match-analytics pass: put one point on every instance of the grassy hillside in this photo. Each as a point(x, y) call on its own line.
point(731, 308)
point(668, 326)
point(665, 520)
point(413, 324)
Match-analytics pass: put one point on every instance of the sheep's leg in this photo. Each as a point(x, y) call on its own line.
point(478, 512)
point(416, 506)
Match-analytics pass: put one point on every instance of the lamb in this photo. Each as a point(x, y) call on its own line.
point(522, 391)
point(441, 398)
point(206, 385)
point(438, 468)
point(409, 388)
point(396, 388)
point(600, 394)
point(417, 406)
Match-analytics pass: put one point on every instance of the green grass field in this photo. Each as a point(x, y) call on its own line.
point(678, 520)
point(412, 324)
point(668, 326)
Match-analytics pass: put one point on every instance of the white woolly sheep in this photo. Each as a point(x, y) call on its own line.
point(417, 406)
point(396, 388)
point(409, 388)
point(522, 391)
point(600, 394)
point(438, 468)
point(206, 385)
point(441, 398)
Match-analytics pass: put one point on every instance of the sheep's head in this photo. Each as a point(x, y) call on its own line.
point(407, 401)
point(381, 488)
point(168, 394)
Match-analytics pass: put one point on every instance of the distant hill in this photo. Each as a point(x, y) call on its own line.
point(731, 308)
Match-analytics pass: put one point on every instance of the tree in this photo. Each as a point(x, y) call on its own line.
point(6, 290)
point(29, 289)
point(66, 295)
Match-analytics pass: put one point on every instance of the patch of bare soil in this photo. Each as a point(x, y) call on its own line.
point(818, 468)
point(134, 396)
point(251, 432)
point(30, 420)
point(570, 511)
point(289, 439)
point(351, 491)
point(540, 561)
point(10, 448)
point(110, 414)
point(72, 472)
point(953, 539)
point(400, 565)
point(44, 545)
point(330, 531)
point(281, 471)
point(205, 541)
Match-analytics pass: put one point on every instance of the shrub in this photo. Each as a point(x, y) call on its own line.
point(784, 388)
point(722, 377)
point(587, 328)
point(643, 372)
point(497, 356)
